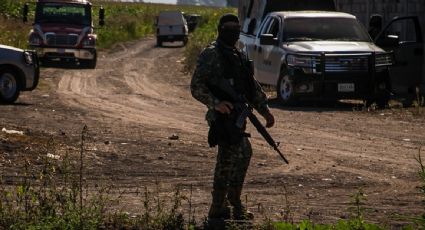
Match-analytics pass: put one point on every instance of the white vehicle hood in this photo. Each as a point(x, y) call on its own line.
point(331, 46)
point(9, 48)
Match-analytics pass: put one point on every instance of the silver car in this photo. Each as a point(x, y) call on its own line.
point(19, 71)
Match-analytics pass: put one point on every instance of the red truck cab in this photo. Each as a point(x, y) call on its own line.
point(63, 31)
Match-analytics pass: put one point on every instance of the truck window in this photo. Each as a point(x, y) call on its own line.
point(296, 5)
point(341, 29)
point(404, 29)
point(63, 13)
point(274, 27)
point(171, 18)
point(265, 26)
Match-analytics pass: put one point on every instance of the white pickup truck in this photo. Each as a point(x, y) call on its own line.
point(19, 71)
point(319, 55)
point(171, 26)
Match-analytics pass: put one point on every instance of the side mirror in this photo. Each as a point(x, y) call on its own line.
point(388, 41)
point(25, 11)
point(268, 40)
point(102, 16)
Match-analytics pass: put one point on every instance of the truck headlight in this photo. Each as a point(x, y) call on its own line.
point(89, 42)
point(384, 60)
point(308, 64)
point(28, 58)
point(35, 40)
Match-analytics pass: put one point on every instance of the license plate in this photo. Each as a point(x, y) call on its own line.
point(61, 51)
point(346, 87)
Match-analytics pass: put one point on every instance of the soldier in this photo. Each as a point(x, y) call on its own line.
point(375, 25)
point(222, 61)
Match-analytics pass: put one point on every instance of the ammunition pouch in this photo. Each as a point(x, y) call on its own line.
point(223, 130)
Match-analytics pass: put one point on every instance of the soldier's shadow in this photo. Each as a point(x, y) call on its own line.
point(317, 106)
point(19, 104)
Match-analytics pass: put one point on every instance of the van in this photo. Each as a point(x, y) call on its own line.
point(171, 26)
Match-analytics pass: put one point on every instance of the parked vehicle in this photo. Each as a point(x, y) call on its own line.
point(320, 55)
point(19, 71)
point(253, 12)
point(404, 37)
point(63, 31)
point(171, 26)
point(192, 21)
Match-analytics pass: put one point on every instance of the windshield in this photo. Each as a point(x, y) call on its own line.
point(296, 5)
point(76, 14)
point(312, 29)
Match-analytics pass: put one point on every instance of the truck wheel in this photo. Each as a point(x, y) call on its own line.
point(420, 96)
point(158, 42)
point(382, 93)
point(382, 102)
point(285, 89)
point(89, 64)
point(185, 40)
point(9, 86)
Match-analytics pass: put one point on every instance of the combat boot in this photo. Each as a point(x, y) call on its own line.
point(219, 211)
point(239, 211)
point(219, 208)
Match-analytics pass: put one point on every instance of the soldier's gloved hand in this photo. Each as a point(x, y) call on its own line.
point(269, 119)
point(224, 107)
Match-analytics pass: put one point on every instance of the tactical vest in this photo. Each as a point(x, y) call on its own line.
point(237, 70)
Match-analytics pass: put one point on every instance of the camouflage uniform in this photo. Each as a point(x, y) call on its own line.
point(232, 160)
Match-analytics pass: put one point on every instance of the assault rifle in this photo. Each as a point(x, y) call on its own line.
point(246, 111)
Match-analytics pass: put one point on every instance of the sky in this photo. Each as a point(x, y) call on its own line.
point(162, 1)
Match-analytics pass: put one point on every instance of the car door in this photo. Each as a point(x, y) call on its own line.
point(403, 36)
point(257, 52)
point(268, 57)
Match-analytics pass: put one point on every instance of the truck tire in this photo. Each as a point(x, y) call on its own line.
point(285, 89)
point(381, 94)
point(158, 42)
point(185, 40)
point(89, 64)
point(9, 86)
point(382, 101)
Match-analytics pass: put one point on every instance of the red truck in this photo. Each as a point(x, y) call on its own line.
point(63, 31)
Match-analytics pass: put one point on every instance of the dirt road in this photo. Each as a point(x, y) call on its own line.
point(138, 97)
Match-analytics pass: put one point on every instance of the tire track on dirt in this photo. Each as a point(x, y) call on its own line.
point(128, 91)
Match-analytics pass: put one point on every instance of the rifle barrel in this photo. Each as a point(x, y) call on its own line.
point(266, 135)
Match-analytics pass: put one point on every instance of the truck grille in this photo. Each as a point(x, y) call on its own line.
point(347, 64)
point(61, 40)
